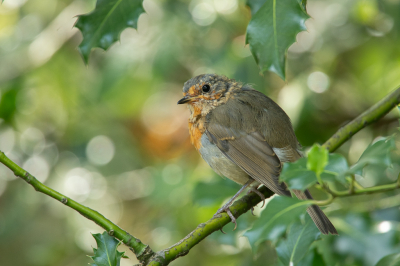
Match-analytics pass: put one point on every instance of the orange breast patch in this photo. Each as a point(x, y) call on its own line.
point(196, 128)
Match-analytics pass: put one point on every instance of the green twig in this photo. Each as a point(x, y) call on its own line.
point(325, 202)
point(352, 181)
point(141, 250)
point(239, 207)
point(374, 113)
point(354, 191)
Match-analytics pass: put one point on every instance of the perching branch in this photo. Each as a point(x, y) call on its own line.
point(374, 113)
point(141, 250)
point(148, 257)
point(240, 206)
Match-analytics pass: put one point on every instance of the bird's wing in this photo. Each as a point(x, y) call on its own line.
point(252, 153)
point(256, 134)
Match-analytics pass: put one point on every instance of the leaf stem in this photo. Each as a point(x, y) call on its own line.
point(325, 202)
point(353, 191)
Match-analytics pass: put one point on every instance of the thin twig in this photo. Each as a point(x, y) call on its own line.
point(141, 250)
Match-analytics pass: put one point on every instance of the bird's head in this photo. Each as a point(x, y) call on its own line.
point(208, 89)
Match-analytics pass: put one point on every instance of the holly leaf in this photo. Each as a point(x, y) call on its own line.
point(272, 29)
point(106, 253)
point(336, 168)
point(103, 26)
point(336, 163)
point(303, 4)
point(300, 237)
point(274, 220)
point(390, 260)
point(377, 154)
point(301, 174)
point(297, 176)
point(255, 5)
point(317, 159)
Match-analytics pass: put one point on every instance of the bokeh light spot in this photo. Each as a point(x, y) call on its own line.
point(38, 167)
point(100, 150)
point(32, 141)
point(172, 174)
point(225, 6)
point(7, 140)
point(384, 227)
point(204, 14)
point(78, 183)
point(318, 82)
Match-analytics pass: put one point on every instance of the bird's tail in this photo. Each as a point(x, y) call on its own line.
point(317, 215)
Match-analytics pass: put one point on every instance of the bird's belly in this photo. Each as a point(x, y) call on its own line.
point(220, 163)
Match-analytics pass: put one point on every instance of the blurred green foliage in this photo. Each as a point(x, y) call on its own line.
point(111, 136)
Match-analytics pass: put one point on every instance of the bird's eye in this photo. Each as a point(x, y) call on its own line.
point(206, 88)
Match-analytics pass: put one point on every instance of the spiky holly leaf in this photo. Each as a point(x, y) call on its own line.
point(272, 29)
point(274, 220)
point(106, 253)
point(299, 239)
point(297, 176)
point(103, 26)
point(377, 153)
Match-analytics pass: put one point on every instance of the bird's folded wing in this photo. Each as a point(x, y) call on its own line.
point(252, 153)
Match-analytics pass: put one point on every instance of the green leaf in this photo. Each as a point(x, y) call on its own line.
point(255, 5)
point(376, 154)
point(317, 159)
point(335, 169)
point(390, 260)
point(106, 253)
point(297, 176)
point(273, 222)
point(303, 4)
point(8, 100)
point(103, 26)
point(336, 163)
point(300, 237)
point(272, 29)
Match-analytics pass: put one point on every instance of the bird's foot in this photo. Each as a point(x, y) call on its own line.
point(255, 190)
point(226, 209)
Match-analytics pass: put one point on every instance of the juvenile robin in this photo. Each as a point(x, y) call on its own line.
point(245, 136)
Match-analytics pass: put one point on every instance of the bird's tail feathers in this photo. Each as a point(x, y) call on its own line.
point(317, 215)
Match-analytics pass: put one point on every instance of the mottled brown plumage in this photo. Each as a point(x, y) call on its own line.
point(244, 135)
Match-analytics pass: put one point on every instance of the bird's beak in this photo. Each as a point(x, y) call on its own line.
point(185, 99)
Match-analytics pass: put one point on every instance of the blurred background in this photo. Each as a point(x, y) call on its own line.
point(111, 136)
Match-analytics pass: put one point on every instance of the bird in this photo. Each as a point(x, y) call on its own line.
point(245, 136)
